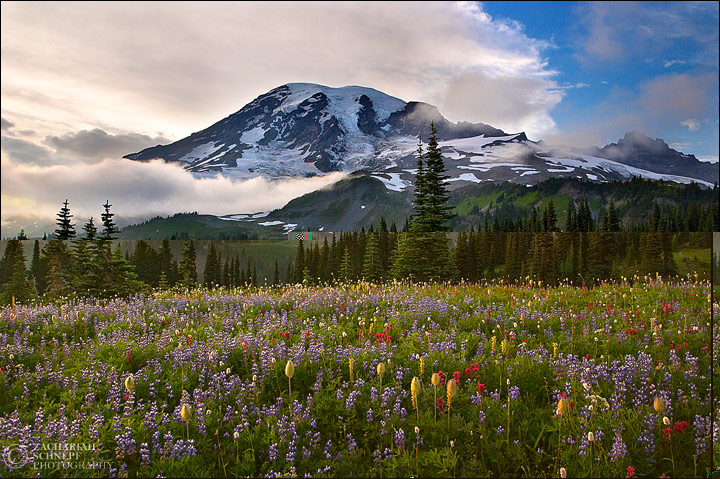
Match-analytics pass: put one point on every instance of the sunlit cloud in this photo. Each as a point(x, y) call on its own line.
point(134, 189)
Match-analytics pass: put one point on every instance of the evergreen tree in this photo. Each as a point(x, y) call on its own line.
point(125, 281)
point(602, 253)
point(346, 273)
point(188, 268)
point(19, 288)
point(38, 269)
point(651, 252)
point(419, 220)
point(513, 264)
point(276, 273)
point(166, 264)
point(211, 275)
point(238, 281)
point(435, 214)
point(613, 221)
point(656, 217)
point(13, 251)
point(571, 220)
point(109, 228)
point(226, 273)
point(163, 283)
point(289, 274)
point(85, 276)
point(146, 263)
point(372, 266)
point(66, 230)
point(423, 257)
point(90, 230)
point(58, 259)
point(549, 219)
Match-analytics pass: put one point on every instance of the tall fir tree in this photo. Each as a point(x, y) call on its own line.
point(38, 269)
point(166, 264)
point(613, 221)
point(65, 230)
point(19, 288)
point(435, 214)
point(276, 273)
point(90, 230)
point(571, 220)
point(109, 228)
point(549, 219)
point(419, 220)
point(85, 272)
point(372, 265)
point(346, 270)
point(188, 268)
point(656, 221)
point(212, 272)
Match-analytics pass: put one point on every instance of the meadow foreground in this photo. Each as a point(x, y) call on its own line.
point(512, 380)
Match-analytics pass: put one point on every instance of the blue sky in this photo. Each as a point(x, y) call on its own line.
point(626, 52)
point(85, 83)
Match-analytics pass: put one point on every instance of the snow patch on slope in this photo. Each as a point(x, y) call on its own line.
point(343, 102)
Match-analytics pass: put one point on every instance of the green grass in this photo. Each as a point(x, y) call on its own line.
point(468, 204)
point(692, 260)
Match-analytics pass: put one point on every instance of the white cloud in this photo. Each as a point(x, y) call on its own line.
point(140, 189)
point(691, 124)
point(182, 66)
point(670, 63)
point(515, 103)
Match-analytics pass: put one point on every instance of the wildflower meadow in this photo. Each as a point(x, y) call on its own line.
point(363, 380)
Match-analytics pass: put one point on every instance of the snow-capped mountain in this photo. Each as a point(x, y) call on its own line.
point(307, 129)
point(304, 129)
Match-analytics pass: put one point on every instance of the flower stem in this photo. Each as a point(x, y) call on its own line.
point(417, 446)
point(508, 422)
point(557, 458)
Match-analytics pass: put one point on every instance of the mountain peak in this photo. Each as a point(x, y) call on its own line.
point(637, 149)
point(639, 140)
point(306, 129)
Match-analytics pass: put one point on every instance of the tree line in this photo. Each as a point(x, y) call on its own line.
point(94, 268)
point(697, 216)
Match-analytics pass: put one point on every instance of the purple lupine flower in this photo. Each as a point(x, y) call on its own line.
point(400, 439)
point(618, 450)
point(328, 447)
point(144, 454)
point(352, 445)
point(273, 452)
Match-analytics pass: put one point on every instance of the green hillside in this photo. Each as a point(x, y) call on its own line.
point(360, 200)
